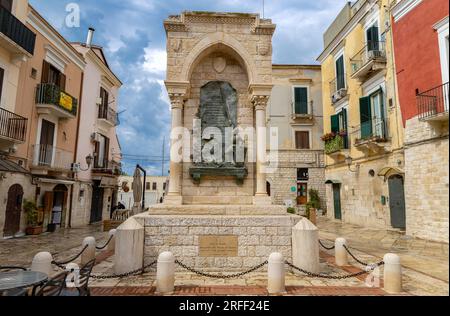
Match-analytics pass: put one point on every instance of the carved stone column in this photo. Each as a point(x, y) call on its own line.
point(260, 104)
point(176, 168)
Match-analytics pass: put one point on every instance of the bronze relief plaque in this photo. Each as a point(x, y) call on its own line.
point(218, 246)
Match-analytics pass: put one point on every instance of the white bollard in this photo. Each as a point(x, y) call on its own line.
point(112, 244)
point(340, 254)
point(165, 273)
point(305, 246)
point(129, 248)
point(42, 262)
point(88, 254)
point(392, 274)
point(276, 274)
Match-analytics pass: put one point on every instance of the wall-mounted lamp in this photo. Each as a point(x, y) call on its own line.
point(2, 176)
point(349, 162)
point(89, 161)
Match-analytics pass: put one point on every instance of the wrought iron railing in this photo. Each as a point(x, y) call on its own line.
point(433, 102)
point(52, 157)
point(374, 130)
point(338, 88)
point(48, 93)
point(372, 51)
point(12, 126)
point(107, 113)
point(16, 31)
point(107, 167)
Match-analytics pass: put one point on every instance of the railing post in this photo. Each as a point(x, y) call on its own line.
point(392, 274)
point(276, 274)
point(340, 253)
point(165, 273)
point(88, 254)
point(42, 262)
point(112, 244)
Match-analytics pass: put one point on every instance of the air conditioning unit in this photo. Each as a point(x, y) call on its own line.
point(75, 167)
point(341, 93)
point(373, 54)
point(99, 101)
point(95, 137)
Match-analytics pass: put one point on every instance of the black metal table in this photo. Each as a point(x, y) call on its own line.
point(16, 280)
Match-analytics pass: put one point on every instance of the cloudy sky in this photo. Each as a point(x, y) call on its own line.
point(133, 36)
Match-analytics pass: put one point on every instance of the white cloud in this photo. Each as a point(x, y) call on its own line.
point(155, 60)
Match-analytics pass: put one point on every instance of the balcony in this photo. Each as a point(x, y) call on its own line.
point(50, 99)
point(107, 116)
point(371, 136)
point(338, 90)
point(433, 104)
point(304, 117)
point(107, 168)
point(369, 60)
point(13, 128)
point(337, 146)
point(14, 35)
point(49, 158)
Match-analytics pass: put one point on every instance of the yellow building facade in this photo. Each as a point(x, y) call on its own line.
point(362, 119)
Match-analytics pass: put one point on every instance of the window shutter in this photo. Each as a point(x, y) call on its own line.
point(372, 38)
point(340, 76)
point(2, 73)
point(7, 4)
point(45, 72)
point(106, 152)
point(301, 101)
point(345, 127)
point(334, 123)
point(62, 81)
point(366, 117)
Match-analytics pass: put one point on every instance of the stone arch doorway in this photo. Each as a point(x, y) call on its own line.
point(59, 208)
point(13, 210)
point(397, 201)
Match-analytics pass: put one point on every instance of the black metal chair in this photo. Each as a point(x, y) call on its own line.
point(54, 286)
point(82, 288)
point(16, 292)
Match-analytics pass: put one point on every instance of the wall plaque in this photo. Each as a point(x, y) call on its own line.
point(218, 246)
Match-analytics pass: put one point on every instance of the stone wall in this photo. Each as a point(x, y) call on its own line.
point(258, 237)
point(427, 180)
point(81, 206)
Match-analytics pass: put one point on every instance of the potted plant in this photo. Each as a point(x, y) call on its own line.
point(313, 205)
point(32, 214)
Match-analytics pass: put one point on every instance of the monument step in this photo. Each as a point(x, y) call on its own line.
point(218, 200)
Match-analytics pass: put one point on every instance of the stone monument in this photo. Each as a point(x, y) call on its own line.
point(217, 213)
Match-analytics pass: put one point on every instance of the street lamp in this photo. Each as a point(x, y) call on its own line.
point(349, 162)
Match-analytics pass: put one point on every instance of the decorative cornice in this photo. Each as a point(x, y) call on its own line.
point(403, 7)
point(177, 100)
point(264, 29)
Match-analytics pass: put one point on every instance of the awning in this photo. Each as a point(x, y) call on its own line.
point(388, 171)
point(55, 181)
point(333, 182)
point(110, 183)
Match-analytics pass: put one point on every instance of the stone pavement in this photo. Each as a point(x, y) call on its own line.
point(64, 243)
point(425, 263)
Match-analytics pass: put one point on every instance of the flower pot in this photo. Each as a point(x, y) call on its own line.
point(33, 231)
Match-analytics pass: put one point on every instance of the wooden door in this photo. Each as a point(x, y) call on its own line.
point(397, 202)
point(97, 203)
point(46, 143)
point(337, 201)
point(13, 210)
point(302, 140)
point(302, 194)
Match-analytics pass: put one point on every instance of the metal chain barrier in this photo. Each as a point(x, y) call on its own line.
point(218, 276)
point(106, 245)
point(62, 264)
point(124, 275)
point(369, 269)
point(354, 257)
point(325, 247)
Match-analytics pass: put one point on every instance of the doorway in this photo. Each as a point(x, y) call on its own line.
point(97, 203)
point(397, 202)
point(337, 201)
point(60, 193)
point(302, 194)
point(46, 143)
point(13, 211)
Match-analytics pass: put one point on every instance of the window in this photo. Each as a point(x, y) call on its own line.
point(2, 74)
point(303, 174)
point(164, 186)
point(339, 125)
point(155, 186)
point(7, 4)
point(46, 141)
point(101, 152)
point(442, 29)
point(302, 140)
point(301, 100)
point(147, 186)
point(372, 37)
point(340, 73)
point(103, 109)
point(52, 75)
point(372, 115)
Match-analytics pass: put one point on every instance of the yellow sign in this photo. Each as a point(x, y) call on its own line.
point(218, 246)
point(66, 101)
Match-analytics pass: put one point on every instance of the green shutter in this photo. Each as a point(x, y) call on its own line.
point(372, 38)
point(340, 76)
point(335, 123)
point(366, 117)
point(301, 101)
point(345, 127)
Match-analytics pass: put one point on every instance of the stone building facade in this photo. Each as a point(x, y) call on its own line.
point(301, 165)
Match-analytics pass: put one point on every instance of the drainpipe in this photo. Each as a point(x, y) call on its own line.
point(76, 147)
point(143, 187)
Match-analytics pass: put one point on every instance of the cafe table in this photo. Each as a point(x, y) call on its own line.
point(12, 281)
